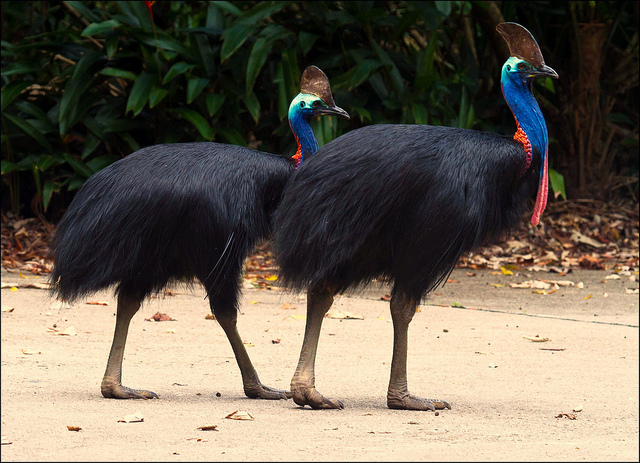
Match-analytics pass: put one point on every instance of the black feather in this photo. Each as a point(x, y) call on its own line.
point(168, 212)
point(399, 201)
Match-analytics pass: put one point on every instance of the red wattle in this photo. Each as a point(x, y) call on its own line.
point(543, 192)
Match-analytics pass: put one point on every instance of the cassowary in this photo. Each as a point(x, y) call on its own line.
point(178, 212)
point(404, 202)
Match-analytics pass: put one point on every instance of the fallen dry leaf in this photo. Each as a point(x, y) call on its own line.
point(7, 309)
point(536, 338)
point(339, 314)
point(239, 415)
point(74, 428)
point(6, 441)
point(160, 317)
point(531, 284)
point(211, 427)
point(136, 417)
point(571, 416)
point(30, 352)
point(209, 316)
point(288, 306)
point(69, 331)
point(97, 303)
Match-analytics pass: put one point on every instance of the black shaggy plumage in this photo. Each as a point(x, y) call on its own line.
point(404, 207)
point(169, 212)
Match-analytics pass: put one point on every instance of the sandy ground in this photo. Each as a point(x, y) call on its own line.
point(507, 392)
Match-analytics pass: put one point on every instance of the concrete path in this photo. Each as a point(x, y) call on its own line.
point(573, 397)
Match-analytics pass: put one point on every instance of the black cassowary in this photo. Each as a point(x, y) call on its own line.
point(404, 202)
point(180, 211)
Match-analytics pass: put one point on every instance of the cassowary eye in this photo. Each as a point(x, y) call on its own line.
point(316, 103)
point(521, 66)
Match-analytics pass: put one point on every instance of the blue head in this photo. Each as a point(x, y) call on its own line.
point(314, 99)
point(518, 72)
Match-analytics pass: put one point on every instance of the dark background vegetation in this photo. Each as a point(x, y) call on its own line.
point(86, 83)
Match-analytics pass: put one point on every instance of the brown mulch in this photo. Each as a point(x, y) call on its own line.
point(572, 234)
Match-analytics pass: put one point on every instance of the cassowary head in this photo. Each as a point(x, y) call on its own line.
point(518, 72)
point(315, 98)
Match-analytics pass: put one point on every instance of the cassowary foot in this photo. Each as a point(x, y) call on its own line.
point(260, 391)
point(310, 396)
point(412, 402)
point(119, 391)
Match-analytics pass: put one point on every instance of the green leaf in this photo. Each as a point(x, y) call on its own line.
point(156, 96)
point(557, 183)
point(420, 113)
point(362, 113)
point(232, 136)
point(425, 75)
point(11, 91)
point(306, 41)
point(91, 142)
point(19, 68)
point(84, 11)
point(101, 162)
point(140, 93)
point(253, 105)
point(214, 102)
point(260, 11)
point(362, 72)
point(111, 44)
point(197, 120)
point(257, 58)
point(76, 87)
point(44, 123)
point(195, 86)
point(228, 7)
point(47, 191)
point(175, 70)
point(115, 72)
point(28, 129)
point(99, 28)
point(233, 38)
point(78, 166)
point(7, 166)
point(165, 42)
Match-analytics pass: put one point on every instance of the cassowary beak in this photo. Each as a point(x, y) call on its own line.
point(331, 111)
point(544, 71)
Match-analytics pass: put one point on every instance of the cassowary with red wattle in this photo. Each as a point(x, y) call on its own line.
point(404, 202)
point(180, 212)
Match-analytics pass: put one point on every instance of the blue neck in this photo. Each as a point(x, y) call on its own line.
point(518, 95)
point(301, 127)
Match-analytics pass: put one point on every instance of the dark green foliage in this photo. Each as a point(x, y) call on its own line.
point(86, 83)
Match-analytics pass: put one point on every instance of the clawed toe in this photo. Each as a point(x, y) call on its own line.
point(266, 392)
point(412, 402)
point(310, 396)
point(122, 392)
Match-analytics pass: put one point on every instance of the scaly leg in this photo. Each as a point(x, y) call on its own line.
point(111, 385)
point(253, 388)
point(319, 300)
point(403, 309)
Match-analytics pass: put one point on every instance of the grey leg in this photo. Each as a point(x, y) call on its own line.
point(253, 388)
point(111, 385)
point(402, 311)
point(319, 300)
